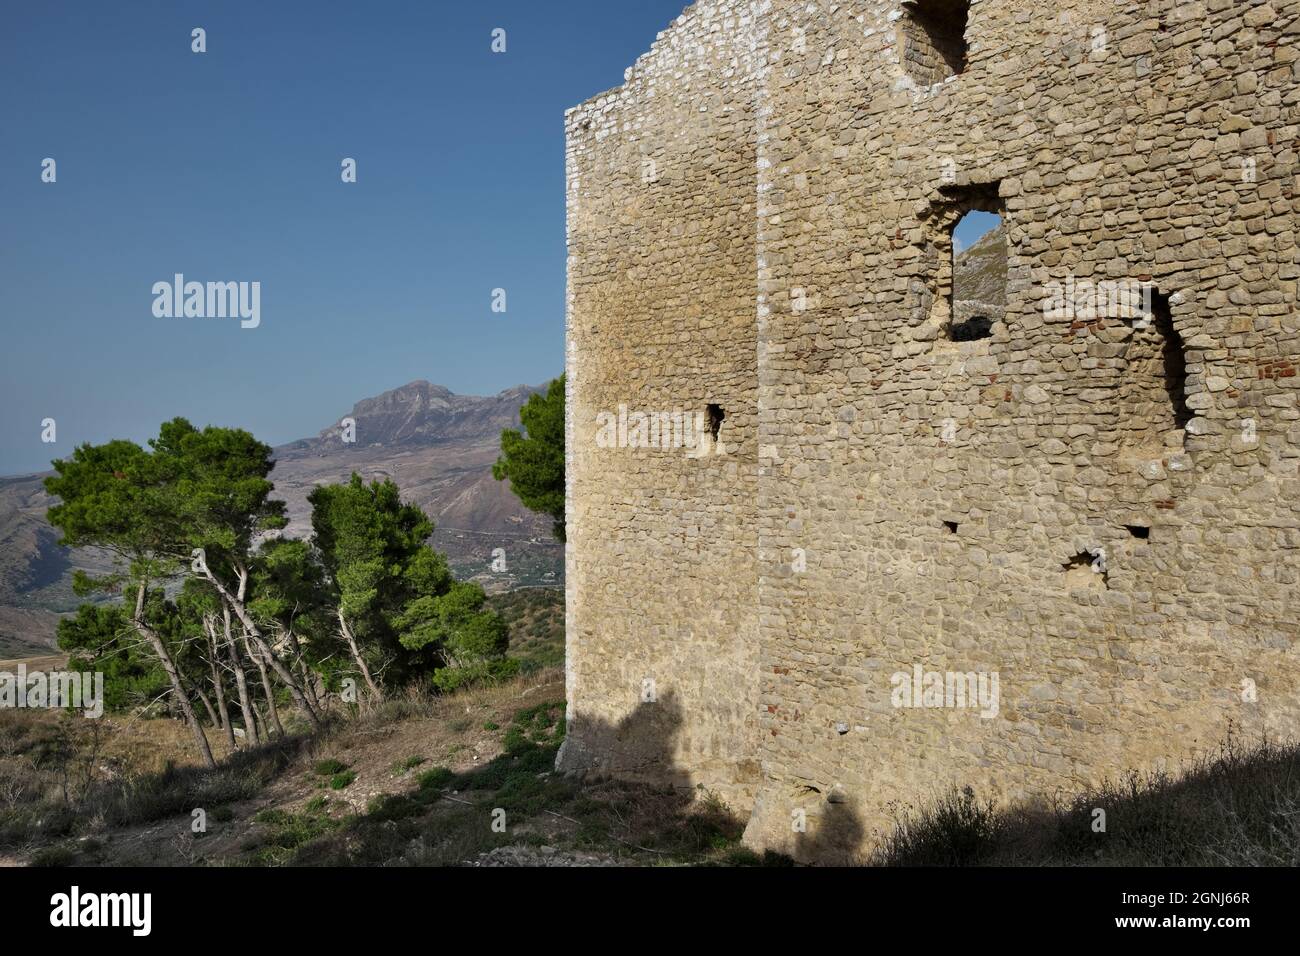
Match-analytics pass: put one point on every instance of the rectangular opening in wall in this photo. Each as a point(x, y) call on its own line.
point(1173, 361)
point(978, 288)
point(715, 416)
point(934, 39)
point(1153, 409)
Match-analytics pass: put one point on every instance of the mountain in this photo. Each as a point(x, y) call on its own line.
point(35, 573)
point(419, 414)
point(980, 272)
point(439, 448)
point(436, 445)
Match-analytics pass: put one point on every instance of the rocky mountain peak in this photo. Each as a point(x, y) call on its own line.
point(418, 413)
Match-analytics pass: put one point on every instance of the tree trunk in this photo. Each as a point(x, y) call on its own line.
point(236, 604)
point(241, 684)
point(356, 655)
point(262, 733)
point(173, 675)
point(308, 685)
point(266, 689)
point(281, 671)
point(218, 685)
point(304, 673)
point(207, 705)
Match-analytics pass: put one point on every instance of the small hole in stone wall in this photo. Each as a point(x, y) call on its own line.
point(1139, 530)
point(974, 328)
point(934, 39)
point(716, 417)
point(1086, 570)
point(952, 526)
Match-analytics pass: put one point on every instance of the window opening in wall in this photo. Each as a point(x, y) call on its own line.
point(1173, 359)
point(1138, 530)
point(934, 39)
point(979, 271)
point(952, 526)
point(716, 416)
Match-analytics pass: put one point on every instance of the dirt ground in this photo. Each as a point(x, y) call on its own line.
point(383, 756)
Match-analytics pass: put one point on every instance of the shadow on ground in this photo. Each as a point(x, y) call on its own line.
point(518, 802)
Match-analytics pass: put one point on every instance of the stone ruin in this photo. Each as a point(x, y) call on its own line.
point(835, 547)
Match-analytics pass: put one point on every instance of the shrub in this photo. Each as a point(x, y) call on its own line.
point(439, 778)
point(1239, 808)
point(53, 856)
point(448, 679)
point(286, 832)
point(956, 831)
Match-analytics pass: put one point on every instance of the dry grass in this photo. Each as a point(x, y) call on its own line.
point(412, 780)
point(420, 780)
point(1239, 807)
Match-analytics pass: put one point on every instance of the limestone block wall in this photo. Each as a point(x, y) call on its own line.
point(662, 573)
point(1098, 505)
point(1112, 160)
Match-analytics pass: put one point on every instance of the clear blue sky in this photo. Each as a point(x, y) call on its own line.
point(225, 166)
point(973, 226)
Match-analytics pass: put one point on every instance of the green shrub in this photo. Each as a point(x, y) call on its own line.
point(539, 726)
point(391, 807)
point(53, 856)
point(342, 780)
point(439, 778)
point(483, 673)
point(328, 768)
point(286, 832)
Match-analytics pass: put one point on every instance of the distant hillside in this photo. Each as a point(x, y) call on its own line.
point(437, 446)
point(35, 573)
point(980, 276)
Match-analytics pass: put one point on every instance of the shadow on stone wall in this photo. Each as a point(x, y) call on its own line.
point(834, 837)
point(642, 747)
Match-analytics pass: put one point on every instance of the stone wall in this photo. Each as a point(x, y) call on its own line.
point(1098, 505)
point(662, 572)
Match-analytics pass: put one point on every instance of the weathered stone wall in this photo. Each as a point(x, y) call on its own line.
point(662, 565)
point(905, 500)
